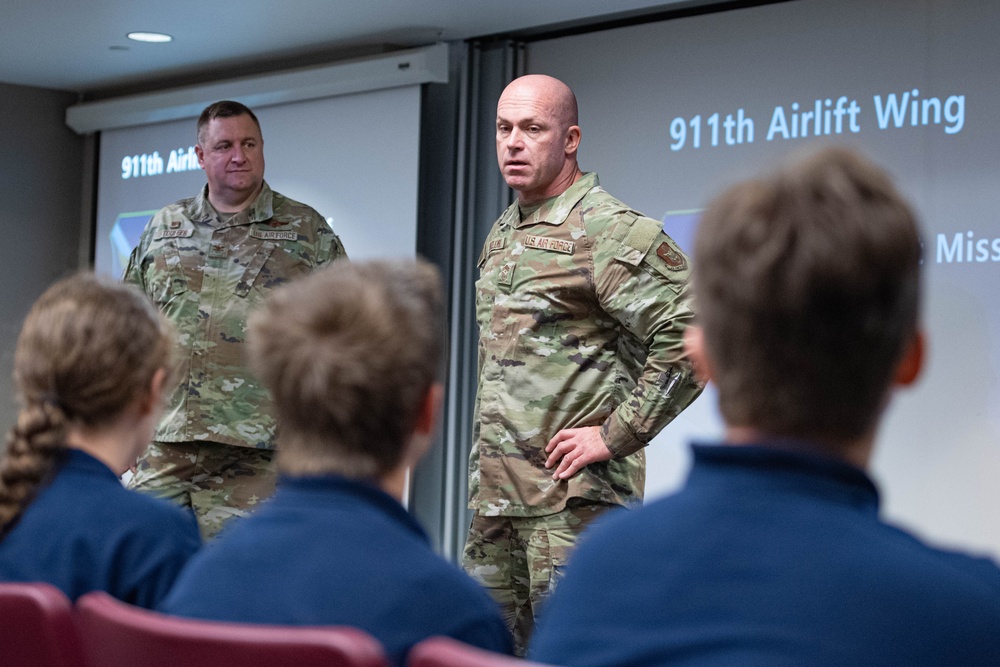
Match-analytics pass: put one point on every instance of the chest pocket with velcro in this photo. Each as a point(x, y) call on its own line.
point(166, 276)
point(251, 273)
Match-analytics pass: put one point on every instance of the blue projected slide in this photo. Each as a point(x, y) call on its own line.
point(680, 226)
point(670, 119)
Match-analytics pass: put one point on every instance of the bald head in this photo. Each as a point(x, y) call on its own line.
point(547, 91)
point(537, 137)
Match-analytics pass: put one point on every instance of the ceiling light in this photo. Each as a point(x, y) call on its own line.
point(156, 37)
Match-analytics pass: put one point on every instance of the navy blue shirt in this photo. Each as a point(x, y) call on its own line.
point(85, 532)
point(768, 557)
point(331, 551)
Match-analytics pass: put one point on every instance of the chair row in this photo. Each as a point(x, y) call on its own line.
point(40, 627)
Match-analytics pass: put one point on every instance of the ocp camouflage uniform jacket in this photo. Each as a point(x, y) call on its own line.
point(206, 276)
point(582, 309)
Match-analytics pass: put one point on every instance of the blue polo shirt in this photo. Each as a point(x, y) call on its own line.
point(85, 532)
point(768, 557)
point(327, 550)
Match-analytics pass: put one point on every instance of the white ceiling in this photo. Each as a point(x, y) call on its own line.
point(80, 45)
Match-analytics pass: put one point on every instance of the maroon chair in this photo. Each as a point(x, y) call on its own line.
point(36, 627)
point(115, 634)
point(448, 652)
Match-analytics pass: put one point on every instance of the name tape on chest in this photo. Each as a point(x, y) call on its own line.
point(496, 245)
point(174, 234)
point(545, 243)
point(272, 235)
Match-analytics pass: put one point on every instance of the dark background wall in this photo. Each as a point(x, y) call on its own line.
point(41, 199)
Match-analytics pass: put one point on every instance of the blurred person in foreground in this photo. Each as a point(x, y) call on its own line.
point(92, 364)
point(807, 286)
point(351, 356)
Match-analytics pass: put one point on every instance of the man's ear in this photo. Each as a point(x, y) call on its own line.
point(426, 423)
point(572, 139)
point(154, 394)
point(909, 367)
point(694, 345)
point(430, 408)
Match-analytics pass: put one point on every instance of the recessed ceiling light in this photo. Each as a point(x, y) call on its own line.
point(156, 37)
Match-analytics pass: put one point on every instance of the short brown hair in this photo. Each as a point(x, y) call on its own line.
point(224, 109)
point(349, 354)
point(88, 348)
point(807, 288)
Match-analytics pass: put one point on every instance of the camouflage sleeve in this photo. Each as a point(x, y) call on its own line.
point(642, 280)
point(133, 271)
point(329, 246)
point(336, 249)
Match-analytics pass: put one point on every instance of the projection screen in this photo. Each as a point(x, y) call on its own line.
point(673, 111)
point(354, 158)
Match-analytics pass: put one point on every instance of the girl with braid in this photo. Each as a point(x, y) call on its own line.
point(91, 365)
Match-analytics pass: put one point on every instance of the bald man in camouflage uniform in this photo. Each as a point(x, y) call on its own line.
point(582, 305)
point(208, 262)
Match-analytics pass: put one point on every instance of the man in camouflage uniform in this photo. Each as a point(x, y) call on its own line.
point(207, 262)
point(582, 305)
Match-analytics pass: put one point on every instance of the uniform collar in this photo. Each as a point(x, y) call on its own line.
point(80, 461)
point(787, 462)
point(555, 210)
point(315, 488)
point(201, 210)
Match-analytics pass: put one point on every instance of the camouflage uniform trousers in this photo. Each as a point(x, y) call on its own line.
point(519, 560)
point(218, 482)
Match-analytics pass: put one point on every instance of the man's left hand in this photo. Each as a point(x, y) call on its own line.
point(574, 448)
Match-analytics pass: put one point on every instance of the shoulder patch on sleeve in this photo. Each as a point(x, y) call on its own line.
point(667, 259)
point(671, 256)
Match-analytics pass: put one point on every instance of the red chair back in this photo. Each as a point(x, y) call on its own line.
point(447, 652)
point(36, 627)
point(115, 634)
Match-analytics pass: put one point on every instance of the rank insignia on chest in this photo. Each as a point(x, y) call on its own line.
point(673, 259)
point(506, 274)
point(545, 243)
